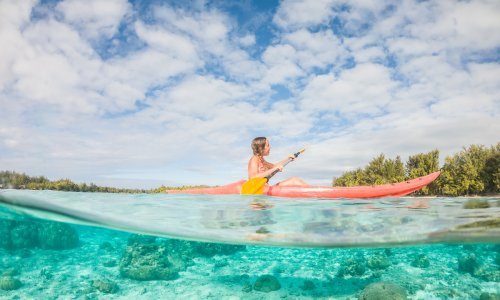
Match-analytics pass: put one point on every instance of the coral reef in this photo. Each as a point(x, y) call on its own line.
point(378, 262)
point(147, 262)
point(421, 261)
point(470, 263)
point(106, 246)
point(352, 267)
point(308, 285)
point(9, 283)
point(247, 288)
point(487, 273)
point(467, 263)
point(383, 291)
point(57, 236)
point(266, 283)
point(489, 296)
point(24, 235)
point(140, 239)
point(211, 249)
point(31, 234)
point(105, 286)
point(192, 249)
point(149, 258)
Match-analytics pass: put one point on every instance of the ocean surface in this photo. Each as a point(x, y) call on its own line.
point(67, 245)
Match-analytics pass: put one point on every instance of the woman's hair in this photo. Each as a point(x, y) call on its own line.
point(258, 145)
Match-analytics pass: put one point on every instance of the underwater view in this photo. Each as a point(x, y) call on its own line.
point(66, 245)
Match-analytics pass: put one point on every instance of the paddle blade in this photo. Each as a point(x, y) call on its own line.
point(254, 186)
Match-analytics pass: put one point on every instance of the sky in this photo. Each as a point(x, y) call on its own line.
point(147, 93)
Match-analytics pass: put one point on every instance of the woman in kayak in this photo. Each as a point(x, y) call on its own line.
point(258, 167)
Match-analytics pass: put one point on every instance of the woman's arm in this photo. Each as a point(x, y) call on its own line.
point(269, 165)
point(281, 163)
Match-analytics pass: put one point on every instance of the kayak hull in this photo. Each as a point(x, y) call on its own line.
point(374, 191)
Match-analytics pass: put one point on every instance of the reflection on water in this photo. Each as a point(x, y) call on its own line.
point(272, 221)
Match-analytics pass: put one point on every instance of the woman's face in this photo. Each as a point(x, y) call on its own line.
point(267, 148)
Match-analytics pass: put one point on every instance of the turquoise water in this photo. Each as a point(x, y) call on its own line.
point(240, 247)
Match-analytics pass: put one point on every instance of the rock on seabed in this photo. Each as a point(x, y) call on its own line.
point(9, 283)
point(267, 283)
point(383, 291)
point(105, 286)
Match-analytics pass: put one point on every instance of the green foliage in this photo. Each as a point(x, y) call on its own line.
point(163, 189)
point(16, 180)
point(473, 170)
point(13, 180)
point(491, 171)
point(379, 171)
point(382, 170)
point(420, 165)
point(349, 178)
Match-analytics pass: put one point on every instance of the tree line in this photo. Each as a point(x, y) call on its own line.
point(475, 170)
point(472, 171)
point(14, 180)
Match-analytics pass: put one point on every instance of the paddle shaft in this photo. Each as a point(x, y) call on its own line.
point(286, 163)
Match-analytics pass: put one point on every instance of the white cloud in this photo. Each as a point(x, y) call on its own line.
point(365, 89)
point(247, 40)
point(296, 13)
point(315, 50)
point(55, 66)
point(415, 28)
point(471, 24)
point(49, 64)
point(94, 18)
point(369, 54)
point(210, 28)
point(209, 31)
point(54, 85)
point(282, 64)
point(240, 66)
point(13, 14)
point(199, 96)
point(176, 45)
point(454, 92)
point(412, 47)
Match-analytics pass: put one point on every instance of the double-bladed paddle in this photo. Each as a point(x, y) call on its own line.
point(255, 186)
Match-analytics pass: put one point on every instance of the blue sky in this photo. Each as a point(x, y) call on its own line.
point(144, 93)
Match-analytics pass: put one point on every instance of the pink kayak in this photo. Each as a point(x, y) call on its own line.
point(373, 191)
